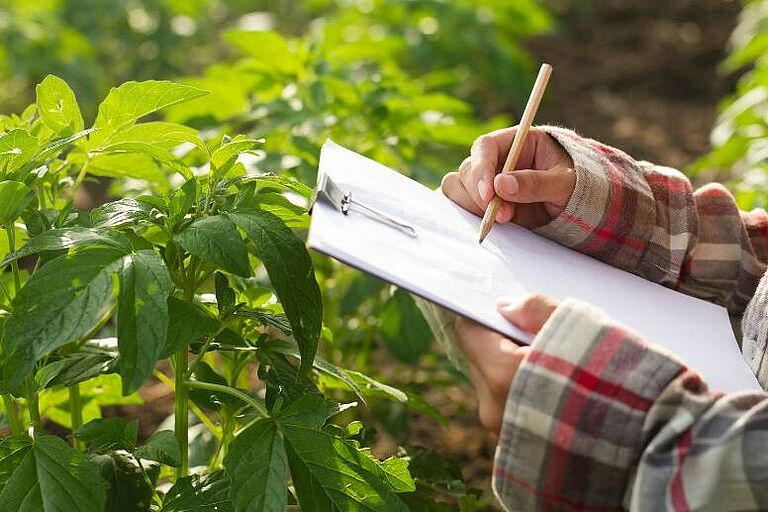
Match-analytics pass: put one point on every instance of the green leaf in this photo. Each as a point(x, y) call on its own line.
point(12, 451)
point(162, 447)
point(257, 467)
point(120, 212)
point(142, 316)
point(14, 199)
point(57, 106)
point(224, 157)
point(278, 183)
point(53, 477)
point(129, 491)
point(156, 153)
point(60, 303)
point(187, 323)
point(294, 216)
point(56, 146)
point(404, 328)
point(159, 133)
point(331, 474)
point(83, 365)
point(133, 100)
point(225, 295)
point(216, 240)
point(103, 435)
point(65, 238)
point(290, 270)
point(127, 165)
point(268, 318)
point(210, 399)
point(199, 493)
point(17, 147)
point(181, 200)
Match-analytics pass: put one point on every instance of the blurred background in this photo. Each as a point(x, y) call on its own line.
point(411, 83)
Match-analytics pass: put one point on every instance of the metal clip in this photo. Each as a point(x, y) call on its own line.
point(328, 190)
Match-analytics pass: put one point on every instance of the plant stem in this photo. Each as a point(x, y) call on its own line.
point(220, 388)
point(11, 231)
point(14, 422)
point(216, 431)
point(34, 406)
point(76, 413)
point(181, 418)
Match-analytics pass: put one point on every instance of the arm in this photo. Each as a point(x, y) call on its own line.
point(597, 419)
point(648, 220)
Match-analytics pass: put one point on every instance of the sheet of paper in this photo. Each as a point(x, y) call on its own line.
point(445, 264)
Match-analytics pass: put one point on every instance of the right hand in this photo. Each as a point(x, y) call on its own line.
point(532, 195)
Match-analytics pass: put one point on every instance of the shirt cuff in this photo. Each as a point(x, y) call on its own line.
point(612, 211)
point(573, 421)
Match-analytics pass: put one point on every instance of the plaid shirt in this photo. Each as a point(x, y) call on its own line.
point(598, 419)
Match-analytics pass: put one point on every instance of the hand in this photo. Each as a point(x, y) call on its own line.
point(532, 195)
point(494, 359)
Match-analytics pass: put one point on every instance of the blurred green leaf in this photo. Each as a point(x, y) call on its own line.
point(57, 106)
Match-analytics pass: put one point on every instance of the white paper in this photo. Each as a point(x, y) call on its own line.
point(445, 264)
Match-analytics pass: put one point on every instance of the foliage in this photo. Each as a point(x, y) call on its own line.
point(740, 136)
point(207, 269)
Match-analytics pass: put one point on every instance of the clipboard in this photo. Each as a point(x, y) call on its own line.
point(379, 221)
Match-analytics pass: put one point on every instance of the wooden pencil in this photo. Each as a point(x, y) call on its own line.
point(517, 144)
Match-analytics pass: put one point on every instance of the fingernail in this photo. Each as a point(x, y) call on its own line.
point(508, 184)
point(482, 189)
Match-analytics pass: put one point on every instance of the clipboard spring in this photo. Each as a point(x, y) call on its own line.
point(329, 191)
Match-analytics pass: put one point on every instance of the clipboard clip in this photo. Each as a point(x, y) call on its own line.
point(330, 192)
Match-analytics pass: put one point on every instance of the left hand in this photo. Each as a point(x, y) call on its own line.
point(494, 359)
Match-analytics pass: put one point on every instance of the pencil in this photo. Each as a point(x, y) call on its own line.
point(517, 144)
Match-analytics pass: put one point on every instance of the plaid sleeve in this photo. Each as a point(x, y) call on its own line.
point(597, 420)
point(647, 219)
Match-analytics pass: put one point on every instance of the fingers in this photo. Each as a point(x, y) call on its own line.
point(454, 189)
point(533, 186)
point(494, 355)
point(530, 314)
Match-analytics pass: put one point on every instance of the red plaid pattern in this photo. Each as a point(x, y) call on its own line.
point(598, 419)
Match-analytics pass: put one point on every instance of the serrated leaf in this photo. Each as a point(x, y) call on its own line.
point(290, 271)
point(142, 316)
point(72, 369)
point(128, 487)
point(161, 447)
point(65, 238)
point(267, 318)
point(330, 474)
point(120, 212)
point(216, 240)
point(156, 153)
point(127, 165)
point(295, 217)
point(133, 100)
point(181, 200)
point(57, 106)
point(159, 133)
point(12, 451)
point(53, 477)
point(257, 467)
point(279, 183)
point(225, 156)
point(59, 304)
point(56, 146)
point(14, 199)
point(199, 493)
point(187, 323)
point(17, 147)
point(103, 435)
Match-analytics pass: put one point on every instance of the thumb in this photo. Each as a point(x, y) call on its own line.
point(530, 314)
point(536, 186)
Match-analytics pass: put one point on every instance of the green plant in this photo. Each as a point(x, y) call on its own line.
point(202, 285)
point(740, 136)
